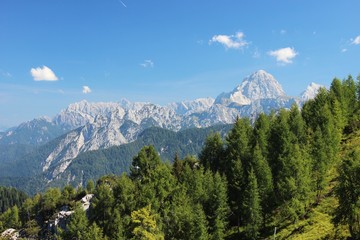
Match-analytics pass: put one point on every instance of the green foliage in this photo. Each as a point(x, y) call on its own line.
point(320, 165)
point(90, 186)
point(211, 157)
point(94, 233)
point(145, 225)
point(10, 218)
point(280, 172)
point(10, 197)
point(78, 225)
point(102, 204)
point(24, 171)
point(348, 193)
point(49, 201)
point(145, 162)
point(252, 213)
point(32, 229)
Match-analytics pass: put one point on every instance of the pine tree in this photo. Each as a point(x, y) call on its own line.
point(349, 91)
point(116, 229)
point(199, 230)
point(94, 232)
point(261, 133)
point(348, 194)
point(252, 214)
point(102, 205)
point(319, 162)
point(279, 143)
point(49, 202)
point(179, 220)
point(211, 156)
point(177, 167)
point(10, 218)
point(238, 153)
point(238, 142)
point(219, 207)
point(78, 225)
point(90, 186)
point(124, 195)
point(265, 181)
point(145, 225)
point(297, 125)
point(146, 161)
point(290, 166)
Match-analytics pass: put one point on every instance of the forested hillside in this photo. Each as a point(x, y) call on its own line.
point(25, 173)
point(288, 172)
point(10, 197)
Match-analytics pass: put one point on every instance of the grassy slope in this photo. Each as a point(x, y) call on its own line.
point(317, 223)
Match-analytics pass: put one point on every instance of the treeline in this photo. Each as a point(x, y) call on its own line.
point(260, 176)
point(10, 197)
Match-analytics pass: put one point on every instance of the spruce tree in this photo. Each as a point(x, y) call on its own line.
point(348, 193)
point(297, 125)
point(94, 232)
point(219, 208)
point(252, 213)
point(200, 229)
point(212, 154)
point(261, 133)
point(102, 205)
point(320, 163)
point(265, 181)
point(146, 161)
point(238, 153)
point(78, 225)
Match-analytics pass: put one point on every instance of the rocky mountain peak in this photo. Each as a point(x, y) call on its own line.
point(310, 92)
point(259, 85)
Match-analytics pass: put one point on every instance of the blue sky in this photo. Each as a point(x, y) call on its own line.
point(56, 52)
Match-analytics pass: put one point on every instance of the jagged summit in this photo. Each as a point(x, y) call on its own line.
point(259, 85)
point(310, 92)
point(86, 126)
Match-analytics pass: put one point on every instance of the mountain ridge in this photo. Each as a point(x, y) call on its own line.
point(86, 126)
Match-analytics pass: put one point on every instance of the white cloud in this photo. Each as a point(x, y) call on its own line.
point(356, 41)
point(86, 90)
point(344, 50)
point(284, 55)
point(147, 64)
point(43, 74)
point(230, 41)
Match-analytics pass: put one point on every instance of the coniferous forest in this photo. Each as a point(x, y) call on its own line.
point(295, 171)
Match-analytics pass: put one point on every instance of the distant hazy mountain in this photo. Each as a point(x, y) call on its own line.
point(85, 126)
point(35, 132)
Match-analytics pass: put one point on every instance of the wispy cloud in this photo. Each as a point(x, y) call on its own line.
point(344, 50)
point(235, 41)
point(256, 53)
point(284, 55)
point(86, 89)
point(356, 41)
point(122, 3)
point(282, 31)
point(5, 74)
point(43, 74)
point(147, 64)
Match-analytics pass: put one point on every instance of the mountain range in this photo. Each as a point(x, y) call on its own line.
point(84, 126)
